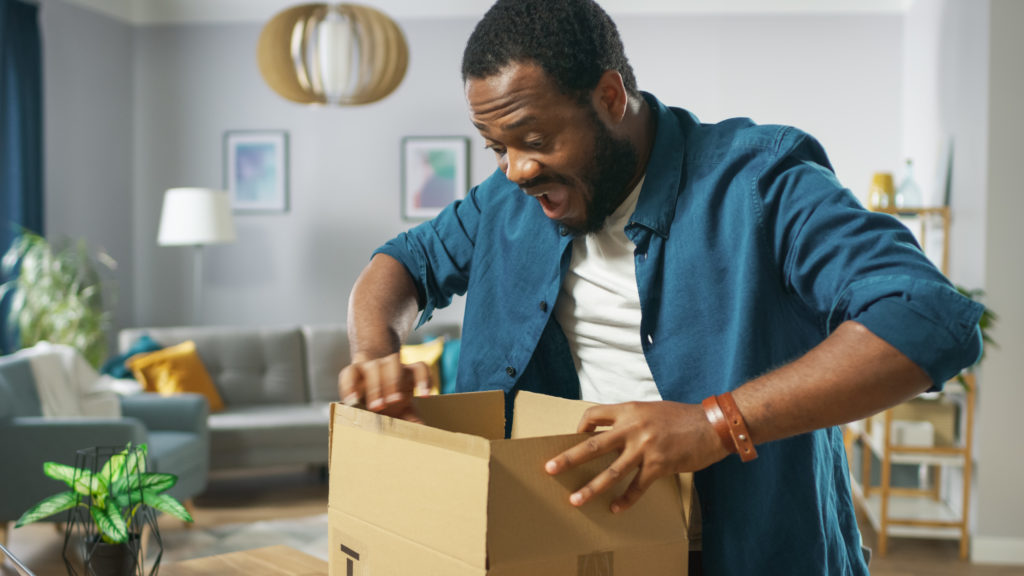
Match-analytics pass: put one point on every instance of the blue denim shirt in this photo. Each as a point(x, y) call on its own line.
point(748, 253)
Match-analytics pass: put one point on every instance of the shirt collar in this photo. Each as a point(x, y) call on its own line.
point(656, 207)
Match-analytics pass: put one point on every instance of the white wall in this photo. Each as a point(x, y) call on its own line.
point(945, 100)
point(1000, 530)
point(87, 88)
point(835, 76)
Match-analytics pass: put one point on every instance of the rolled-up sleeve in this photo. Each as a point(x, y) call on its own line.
point(438, 253)
point(848, 263)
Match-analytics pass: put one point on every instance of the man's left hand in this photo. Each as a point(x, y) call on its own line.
point(653, 439)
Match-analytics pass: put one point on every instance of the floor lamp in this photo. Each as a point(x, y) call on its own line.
point(196, 217)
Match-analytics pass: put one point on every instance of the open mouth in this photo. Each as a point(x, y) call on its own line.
point(554, 202)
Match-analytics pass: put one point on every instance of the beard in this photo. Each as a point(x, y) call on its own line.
point(609, 173)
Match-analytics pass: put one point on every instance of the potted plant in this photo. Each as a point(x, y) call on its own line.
point(57, 294)
point(119, 498)
point(985, 323)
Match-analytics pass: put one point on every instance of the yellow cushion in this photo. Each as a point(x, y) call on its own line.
point(430, 354)
point(174, 370)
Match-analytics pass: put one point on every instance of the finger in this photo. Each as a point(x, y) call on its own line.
point(392, 373)
point(585, 451)
point(603, 415)
point(641, 482)
point(372, 385)
point(350, 385)
point(421, 377)
point(622, 466)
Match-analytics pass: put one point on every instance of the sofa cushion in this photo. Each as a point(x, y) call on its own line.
point(18, 388)
point(428, 353)
point(248, 365)
point(116, 366)
point(175, 370)
point(258, 436)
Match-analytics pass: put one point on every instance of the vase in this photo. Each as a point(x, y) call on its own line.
point(881, 194)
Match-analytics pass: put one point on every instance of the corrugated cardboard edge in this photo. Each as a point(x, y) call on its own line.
point(468, 444)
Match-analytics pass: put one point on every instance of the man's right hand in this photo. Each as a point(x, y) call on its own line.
point(384, 385)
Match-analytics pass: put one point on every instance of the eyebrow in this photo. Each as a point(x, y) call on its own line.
point(511, 125)
point(519, 123)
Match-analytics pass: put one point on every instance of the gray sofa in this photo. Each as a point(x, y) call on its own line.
point(277, 385)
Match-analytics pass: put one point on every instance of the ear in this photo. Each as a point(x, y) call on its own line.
point(610, 98)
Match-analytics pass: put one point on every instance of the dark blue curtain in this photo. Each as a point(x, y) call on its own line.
point(21, 128)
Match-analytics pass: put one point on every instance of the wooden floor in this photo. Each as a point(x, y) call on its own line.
point(282, 494)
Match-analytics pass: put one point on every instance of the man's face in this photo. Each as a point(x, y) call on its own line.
point(556, 149)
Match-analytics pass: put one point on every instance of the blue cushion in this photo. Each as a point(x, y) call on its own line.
point(450, 365)
point(115, 366)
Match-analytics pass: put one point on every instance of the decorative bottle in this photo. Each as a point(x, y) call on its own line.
point(908, 195)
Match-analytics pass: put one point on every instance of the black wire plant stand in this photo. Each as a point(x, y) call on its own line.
point(83, 539)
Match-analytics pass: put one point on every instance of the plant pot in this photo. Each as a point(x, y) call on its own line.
point(114, 559)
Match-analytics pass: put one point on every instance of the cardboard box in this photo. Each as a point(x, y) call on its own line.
point(454, 498)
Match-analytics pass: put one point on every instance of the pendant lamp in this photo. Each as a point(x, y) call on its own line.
point(340, 54)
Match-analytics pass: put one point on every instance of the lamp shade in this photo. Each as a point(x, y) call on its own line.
point(195, 216)
point(341, 54)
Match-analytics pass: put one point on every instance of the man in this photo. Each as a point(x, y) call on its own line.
point(718, 274)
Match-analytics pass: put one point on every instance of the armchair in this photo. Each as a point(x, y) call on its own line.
point(173, 428)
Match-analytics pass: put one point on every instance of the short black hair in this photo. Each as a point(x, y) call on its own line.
point(574, 41)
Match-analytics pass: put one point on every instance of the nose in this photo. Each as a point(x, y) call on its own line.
point(520, 167)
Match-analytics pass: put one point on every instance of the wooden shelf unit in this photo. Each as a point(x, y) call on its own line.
point(910, 512)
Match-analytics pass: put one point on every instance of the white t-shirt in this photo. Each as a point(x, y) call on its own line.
point(599, 310)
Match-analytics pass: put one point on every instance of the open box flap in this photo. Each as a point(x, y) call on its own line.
point(478, 413)
point(543, 415)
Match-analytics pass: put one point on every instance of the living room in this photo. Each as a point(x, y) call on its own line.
point(140, 95)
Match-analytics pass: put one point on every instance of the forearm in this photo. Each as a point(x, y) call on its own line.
point(381, 309)
point(850, 375)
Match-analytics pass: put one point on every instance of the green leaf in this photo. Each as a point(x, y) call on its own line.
point(153, 482)
point(114, 468)
point(136, 459)
point(166, 504)
point(110, 522)
point(63, 472)
point(88, 484)
point(48, 507)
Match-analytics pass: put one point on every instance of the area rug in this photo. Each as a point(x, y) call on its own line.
point(308, 534)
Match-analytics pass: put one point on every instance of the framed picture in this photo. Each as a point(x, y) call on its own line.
point(435, 172)
point(256, 170)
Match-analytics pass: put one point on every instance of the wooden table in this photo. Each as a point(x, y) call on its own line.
point(272, 561)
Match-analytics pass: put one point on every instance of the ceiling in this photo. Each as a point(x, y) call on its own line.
point(149, 12)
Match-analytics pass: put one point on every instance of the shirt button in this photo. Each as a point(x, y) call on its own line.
point(563, 230)
point(650, 339)
point(543, 306)
point(511, 372)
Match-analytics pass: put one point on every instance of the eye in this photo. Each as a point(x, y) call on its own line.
point(498, 150)
point(535, 143)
